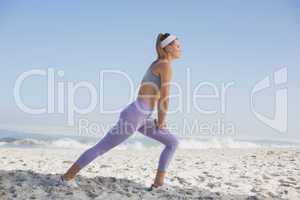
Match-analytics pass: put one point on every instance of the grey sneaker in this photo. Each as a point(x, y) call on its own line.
point(159, 188)
point(71, 183)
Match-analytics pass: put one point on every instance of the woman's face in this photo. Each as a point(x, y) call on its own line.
point(174, 49)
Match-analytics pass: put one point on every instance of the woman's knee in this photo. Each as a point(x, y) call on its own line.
point(173, 142)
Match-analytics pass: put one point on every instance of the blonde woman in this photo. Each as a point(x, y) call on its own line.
point(153, 92)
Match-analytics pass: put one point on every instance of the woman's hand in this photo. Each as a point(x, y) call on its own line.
point(160, 125)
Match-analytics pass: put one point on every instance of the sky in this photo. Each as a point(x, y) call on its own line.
point(234, 43)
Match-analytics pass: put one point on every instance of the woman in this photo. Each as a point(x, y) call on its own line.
point(153, 91)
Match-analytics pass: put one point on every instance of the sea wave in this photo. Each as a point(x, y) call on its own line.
point(32, 142)
point(215, 143)
point(185, 143)
point(69, 143)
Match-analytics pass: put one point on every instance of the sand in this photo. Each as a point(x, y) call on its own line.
point(254, 173)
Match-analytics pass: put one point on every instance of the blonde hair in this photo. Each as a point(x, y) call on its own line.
point(161, 53)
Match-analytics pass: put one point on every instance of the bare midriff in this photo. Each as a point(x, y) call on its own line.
point(149, 93)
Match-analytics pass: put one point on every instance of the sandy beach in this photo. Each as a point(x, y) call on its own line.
point(227, 173)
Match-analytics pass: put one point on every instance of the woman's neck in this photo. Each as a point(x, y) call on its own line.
point(168, 59)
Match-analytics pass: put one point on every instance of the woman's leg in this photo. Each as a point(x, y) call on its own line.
point(116, 135)
point(129, 120)
point(168, 139)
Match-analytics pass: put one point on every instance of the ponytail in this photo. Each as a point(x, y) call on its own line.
point(161, 53)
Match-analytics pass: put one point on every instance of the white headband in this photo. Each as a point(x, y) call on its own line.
point(168, 40)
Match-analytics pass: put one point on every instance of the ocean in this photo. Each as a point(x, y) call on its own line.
point(137, 142)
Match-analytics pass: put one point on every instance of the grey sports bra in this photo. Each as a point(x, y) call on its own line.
point(151, 77)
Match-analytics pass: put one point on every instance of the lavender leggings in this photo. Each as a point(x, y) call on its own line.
point(135, 117)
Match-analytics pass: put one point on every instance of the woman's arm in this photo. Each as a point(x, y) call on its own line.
point(163, 102)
